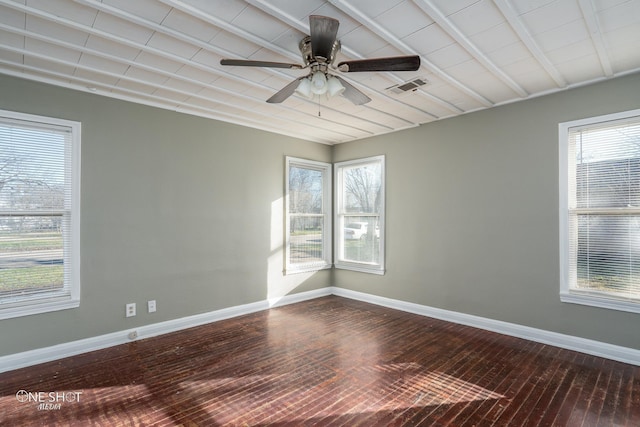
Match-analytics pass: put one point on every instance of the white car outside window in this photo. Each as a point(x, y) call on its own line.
point(358, 230)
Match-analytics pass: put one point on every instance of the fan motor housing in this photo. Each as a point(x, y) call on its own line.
point(307, 52)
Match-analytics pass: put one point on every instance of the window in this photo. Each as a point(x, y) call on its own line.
point(359, 223)
point(600, 211)
point(308, 215)
point(39, 214)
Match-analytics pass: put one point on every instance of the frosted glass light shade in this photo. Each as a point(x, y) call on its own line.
point(319, 83)
point(304, 88)
point(334, 87)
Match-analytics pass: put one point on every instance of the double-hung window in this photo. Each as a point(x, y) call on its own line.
point(308, 215)
point(39, 214)
point(600, 211)
point(359, 215)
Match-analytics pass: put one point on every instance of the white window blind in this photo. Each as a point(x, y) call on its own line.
point(38, 214)
point(308, 212)
point(359, 233)
point(603, 195)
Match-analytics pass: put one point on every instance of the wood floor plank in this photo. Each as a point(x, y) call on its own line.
point(553, 397)
point(328, 362)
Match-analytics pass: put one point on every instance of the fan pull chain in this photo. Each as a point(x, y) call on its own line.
point(318, 106)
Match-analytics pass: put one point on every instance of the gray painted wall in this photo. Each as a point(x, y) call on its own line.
point(472, 214)
point(180, 209)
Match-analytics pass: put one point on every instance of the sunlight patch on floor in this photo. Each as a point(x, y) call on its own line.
point(287, 396)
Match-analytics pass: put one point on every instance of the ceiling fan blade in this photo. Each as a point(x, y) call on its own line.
point(352, 94)
point(324, 31)
point(250, 63)
point(396, 63)
point(285, 92)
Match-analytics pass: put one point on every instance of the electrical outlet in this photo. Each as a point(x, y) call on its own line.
point(131, 309)
point(151, 306)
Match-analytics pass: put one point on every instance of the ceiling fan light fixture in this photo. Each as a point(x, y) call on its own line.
point(319, 51)
point(321, 85)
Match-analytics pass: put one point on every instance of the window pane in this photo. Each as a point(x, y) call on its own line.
point(308, 215)
point(305, 239)
point(608, 253)
point(608, 184)
point(361, 239)
point(607, 166)
point(362, 186)
point(305, 190)
point(31, 256)
point(32, 174)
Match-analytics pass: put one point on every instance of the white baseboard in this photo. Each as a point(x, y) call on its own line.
point(48, 354)
point(583, 345)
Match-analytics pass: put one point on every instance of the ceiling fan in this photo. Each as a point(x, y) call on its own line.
point(318, 54)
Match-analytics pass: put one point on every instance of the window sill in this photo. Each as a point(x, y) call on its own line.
point(310, 269)
point(361, 269)
point(38, 308)
point(600, 301)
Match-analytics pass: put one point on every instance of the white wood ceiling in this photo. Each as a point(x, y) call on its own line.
point(475, 54)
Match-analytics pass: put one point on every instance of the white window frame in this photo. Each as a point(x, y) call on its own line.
point(325, 169)
point(55, 300)
point(567, 293)
point(340, 215)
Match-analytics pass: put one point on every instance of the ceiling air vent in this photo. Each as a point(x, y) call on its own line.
point(408, 86)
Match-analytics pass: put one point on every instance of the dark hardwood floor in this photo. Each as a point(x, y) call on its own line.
point(329, 362)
